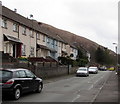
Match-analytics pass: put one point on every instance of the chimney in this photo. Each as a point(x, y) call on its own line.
point(15, 10)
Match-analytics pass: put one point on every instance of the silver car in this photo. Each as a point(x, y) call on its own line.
point(93, 70)
point(82, 71)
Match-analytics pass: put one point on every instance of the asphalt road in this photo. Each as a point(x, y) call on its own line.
point(70, 89)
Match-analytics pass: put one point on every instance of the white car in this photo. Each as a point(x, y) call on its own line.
point(82, 71)
point(93, 70)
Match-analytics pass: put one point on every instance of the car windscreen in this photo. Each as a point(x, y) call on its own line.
point(93, 68)
point(5, 74)
point(82, 69)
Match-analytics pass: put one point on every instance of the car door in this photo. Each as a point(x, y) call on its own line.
point(32, 80)
point(23, 80)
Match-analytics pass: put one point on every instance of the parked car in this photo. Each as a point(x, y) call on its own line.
point(102, 68)
point(93, 70)
point(111, 69)
point(82, 71)
point(15, 82)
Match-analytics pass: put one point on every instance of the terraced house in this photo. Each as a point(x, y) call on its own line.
point(27, 37)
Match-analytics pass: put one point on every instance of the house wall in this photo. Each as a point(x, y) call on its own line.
point(25, 38)
point(9, 30)
point(1, 35)
point(29, 41)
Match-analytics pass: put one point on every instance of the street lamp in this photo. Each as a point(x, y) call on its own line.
point(116, 57)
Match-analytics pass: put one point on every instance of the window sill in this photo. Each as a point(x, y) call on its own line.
point(15, 31)
point(24, 34)
point(31, 37)
point(4, 27)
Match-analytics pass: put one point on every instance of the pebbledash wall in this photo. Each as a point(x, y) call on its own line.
point(46, 71)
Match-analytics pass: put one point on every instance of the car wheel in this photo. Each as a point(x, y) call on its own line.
point(39, 89)
point(17, 93)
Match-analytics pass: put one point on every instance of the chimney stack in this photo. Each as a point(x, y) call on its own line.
point(15, 10)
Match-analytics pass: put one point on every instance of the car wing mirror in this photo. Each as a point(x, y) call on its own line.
point(34, 77)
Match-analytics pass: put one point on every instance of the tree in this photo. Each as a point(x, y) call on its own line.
point(82, 59)
point(99, 55)
point(103, 56)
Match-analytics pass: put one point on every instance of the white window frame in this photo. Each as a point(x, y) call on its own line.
point(32, 51)
point(24, 30)
point(38, 36)
point(31, 33)
point(23, 50)
point(15, 27)
point(48, 40)
point(43, 38)
point(4, 23)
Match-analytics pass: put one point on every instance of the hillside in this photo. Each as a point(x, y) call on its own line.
point(70, 38)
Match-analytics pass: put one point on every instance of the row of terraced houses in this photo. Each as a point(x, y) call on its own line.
point(24, 37)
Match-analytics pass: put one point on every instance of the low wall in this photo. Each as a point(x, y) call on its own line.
point(44, 72)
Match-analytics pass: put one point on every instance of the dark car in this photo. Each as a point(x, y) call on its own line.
point(18, 81)
point(103, 68)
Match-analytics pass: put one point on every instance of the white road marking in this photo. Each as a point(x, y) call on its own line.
point(78, 96)
point(90, 87)
point(94, 83)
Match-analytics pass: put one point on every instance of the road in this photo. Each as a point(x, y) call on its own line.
point(70, 89)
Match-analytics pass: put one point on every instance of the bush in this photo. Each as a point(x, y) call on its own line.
point(82, 62)
point(23, 59)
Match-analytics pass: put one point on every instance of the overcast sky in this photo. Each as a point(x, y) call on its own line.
point(96, 20)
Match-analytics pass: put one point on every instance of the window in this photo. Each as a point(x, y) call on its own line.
point(56, 43)
point(24, 30)
point(29, 74)
point(23, 50)
point(31, 33)
point(32, 51)
point(43, 38)
point(15, 27)
point(53, 42)
point(59, 44)
point(65, 46)
point(4, 23)
point(62, 45)
point(17, 74)
point(22, 74)
point(38, 36)
point(48, 40)
point(5, 74)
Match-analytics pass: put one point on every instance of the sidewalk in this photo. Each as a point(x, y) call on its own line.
point(109, 93)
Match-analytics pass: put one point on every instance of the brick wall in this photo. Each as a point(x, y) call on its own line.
point(45, 71)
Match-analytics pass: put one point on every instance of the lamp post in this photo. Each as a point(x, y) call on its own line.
point(116, 57)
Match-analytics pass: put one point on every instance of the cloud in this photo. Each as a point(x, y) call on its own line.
point(93, 19)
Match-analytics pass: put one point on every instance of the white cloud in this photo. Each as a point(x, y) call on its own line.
point(93, 19)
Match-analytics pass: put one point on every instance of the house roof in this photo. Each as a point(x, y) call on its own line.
point(32, 24)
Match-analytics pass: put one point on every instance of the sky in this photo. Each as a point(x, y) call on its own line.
point(96, 20)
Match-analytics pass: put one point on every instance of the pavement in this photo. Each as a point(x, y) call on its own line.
point(109, 94)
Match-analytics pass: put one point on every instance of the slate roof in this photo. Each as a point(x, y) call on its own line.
point(32, 24)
